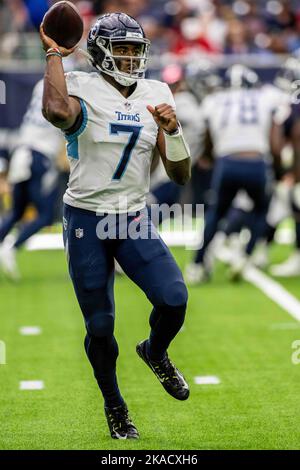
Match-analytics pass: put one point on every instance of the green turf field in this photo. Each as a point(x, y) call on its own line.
point(231, 331)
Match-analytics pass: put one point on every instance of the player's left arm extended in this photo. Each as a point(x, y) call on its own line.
point(171, 145)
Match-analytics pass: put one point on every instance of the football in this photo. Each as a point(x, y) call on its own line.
point(63, 23)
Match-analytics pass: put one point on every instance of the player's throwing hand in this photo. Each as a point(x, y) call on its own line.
point(49, 43)
point(164, 116)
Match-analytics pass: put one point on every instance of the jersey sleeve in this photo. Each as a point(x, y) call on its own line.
point(75, 86)
point(168, 96)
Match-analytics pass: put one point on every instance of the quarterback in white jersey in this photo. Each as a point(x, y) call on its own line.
point(113, 121)
point(121, 132)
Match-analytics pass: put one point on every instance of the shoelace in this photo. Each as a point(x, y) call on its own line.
point(119, 420)
point(165, 369)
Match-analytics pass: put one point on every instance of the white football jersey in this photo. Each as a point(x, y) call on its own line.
point(239, 120)
point(36, 132)
point(111, 154)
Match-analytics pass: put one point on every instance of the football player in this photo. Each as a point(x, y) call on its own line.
point(289, 79)
point(34, 179)
point(239, 122)
point(113, 119)
point(241, 215)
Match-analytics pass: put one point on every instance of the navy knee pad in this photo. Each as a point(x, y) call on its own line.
point(175, 294)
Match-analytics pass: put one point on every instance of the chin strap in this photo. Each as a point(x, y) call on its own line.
point(124, 81)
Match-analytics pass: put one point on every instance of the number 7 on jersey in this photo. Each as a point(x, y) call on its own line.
point(134, 133)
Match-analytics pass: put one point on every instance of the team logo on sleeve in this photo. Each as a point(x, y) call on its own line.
point(79, 232)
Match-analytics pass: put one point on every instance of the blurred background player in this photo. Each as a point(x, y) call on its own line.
point(289, 80)
point(34, 179)
point(239, 122)
point(202, 78)
point(284, 146)
point(241, 215)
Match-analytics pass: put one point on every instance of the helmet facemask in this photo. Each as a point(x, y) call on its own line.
point(111, 63)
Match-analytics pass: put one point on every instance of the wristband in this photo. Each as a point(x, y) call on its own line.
point(176, 147)
point(53, 54)
point(173, 133)
point(53, 51)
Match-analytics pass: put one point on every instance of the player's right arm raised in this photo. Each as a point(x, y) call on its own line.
point(59, 108)
point(174, 152)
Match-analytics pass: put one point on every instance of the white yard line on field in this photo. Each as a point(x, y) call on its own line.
point(30, 330)
point(31, 385)
point(207, 380)
point(274, 291)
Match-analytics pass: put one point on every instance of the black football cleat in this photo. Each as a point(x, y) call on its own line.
point(120, 424)
point(169, 376)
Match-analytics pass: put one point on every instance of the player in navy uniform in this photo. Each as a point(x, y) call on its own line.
point(113, 119)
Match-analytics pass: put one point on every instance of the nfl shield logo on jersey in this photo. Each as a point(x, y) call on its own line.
point(79, 232)
point(128, 106)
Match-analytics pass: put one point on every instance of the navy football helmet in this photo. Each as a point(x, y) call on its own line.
point(240, 76)
point(117, 29)
point(202, 78)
